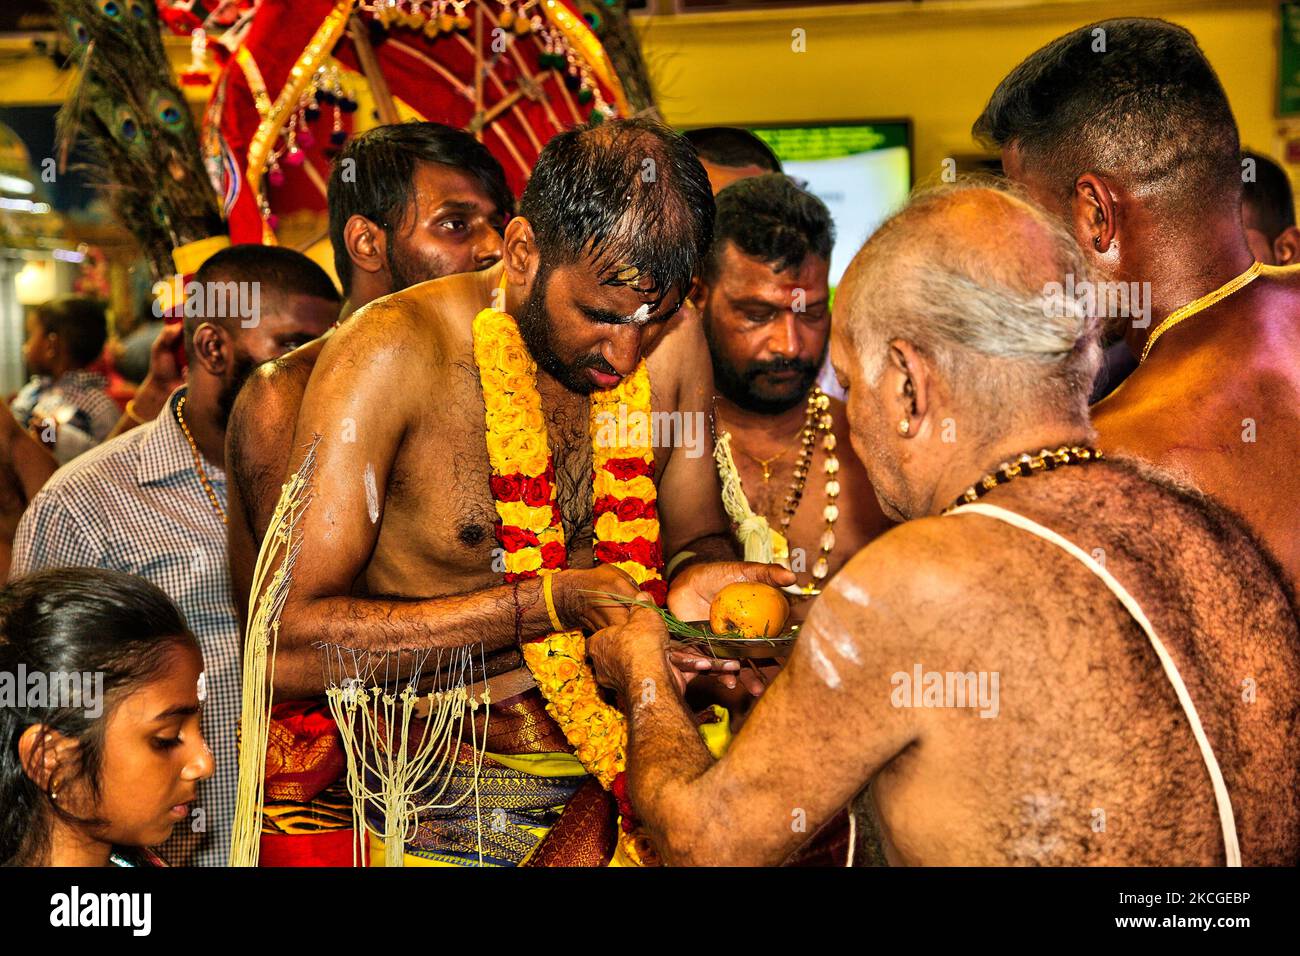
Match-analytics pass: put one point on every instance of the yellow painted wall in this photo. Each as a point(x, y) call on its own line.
point(933, 62)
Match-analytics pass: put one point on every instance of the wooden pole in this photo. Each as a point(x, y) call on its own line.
point(384, 104)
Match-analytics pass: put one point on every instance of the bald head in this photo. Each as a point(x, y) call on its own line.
point(966, 274)
point(958, 343)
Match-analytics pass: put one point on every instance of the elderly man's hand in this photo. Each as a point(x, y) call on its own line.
point(615, 651)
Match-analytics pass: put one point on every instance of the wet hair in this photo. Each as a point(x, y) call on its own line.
point(68, 621)
point(625, 193)
point(732, 146)
point(1269, 196)
point(79, 322)
point(1132, 99)
point(277, 271)
point(381, 185)
point(771, 219)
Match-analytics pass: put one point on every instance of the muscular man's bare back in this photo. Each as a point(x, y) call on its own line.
point(1219, 400)
point(259, 444)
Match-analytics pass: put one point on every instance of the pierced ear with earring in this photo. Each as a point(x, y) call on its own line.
point(904, 426)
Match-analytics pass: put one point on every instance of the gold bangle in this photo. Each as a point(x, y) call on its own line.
point(550, 602)
point(130, 413)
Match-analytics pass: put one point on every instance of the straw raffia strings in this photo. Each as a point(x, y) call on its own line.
point(270, 588)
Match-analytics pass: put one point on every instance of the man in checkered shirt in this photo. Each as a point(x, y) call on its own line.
point(65, 403)
point(152, 502)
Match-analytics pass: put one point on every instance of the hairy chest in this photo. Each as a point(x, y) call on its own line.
point(439, 499)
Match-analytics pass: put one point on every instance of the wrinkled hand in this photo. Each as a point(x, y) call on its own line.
point(643, 636)
point(615, 649)
point(580, 601)
point(694, 589)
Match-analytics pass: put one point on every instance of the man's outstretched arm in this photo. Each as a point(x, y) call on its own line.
point(819, 734)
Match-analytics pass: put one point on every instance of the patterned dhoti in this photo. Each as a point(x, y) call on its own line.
point(535, 805)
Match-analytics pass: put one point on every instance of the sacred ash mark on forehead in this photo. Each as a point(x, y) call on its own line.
point(630, 276)
point(641, 316)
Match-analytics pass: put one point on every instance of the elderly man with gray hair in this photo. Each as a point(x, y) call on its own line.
point(1059, 657)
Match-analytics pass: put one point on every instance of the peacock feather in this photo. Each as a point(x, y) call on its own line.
point(610, 21)
point(127, 111)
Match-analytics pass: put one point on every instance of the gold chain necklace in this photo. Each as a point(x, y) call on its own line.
point(818, 421)
point(766, 463)
point(1201, 304)
point(1024, 466)
point(198, 461)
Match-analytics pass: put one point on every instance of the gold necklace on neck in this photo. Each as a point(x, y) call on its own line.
point(1201, 304)
point(198, 461)
point(766, 463)
point(817, 421)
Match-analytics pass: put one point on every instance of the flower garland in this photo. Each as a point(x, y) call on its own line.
point(532, 536)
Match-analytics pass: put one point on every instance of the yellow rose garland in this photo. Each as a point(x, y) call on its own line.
point(518, 452)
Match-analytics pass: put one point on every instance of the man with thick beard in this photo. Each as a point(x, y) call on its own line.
point(152, 502)
point(405, 542)
point(408, 202)
point(765, 304)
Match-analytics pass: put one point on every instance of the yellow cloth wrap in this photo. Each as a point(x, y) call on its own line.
point(717, 735)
